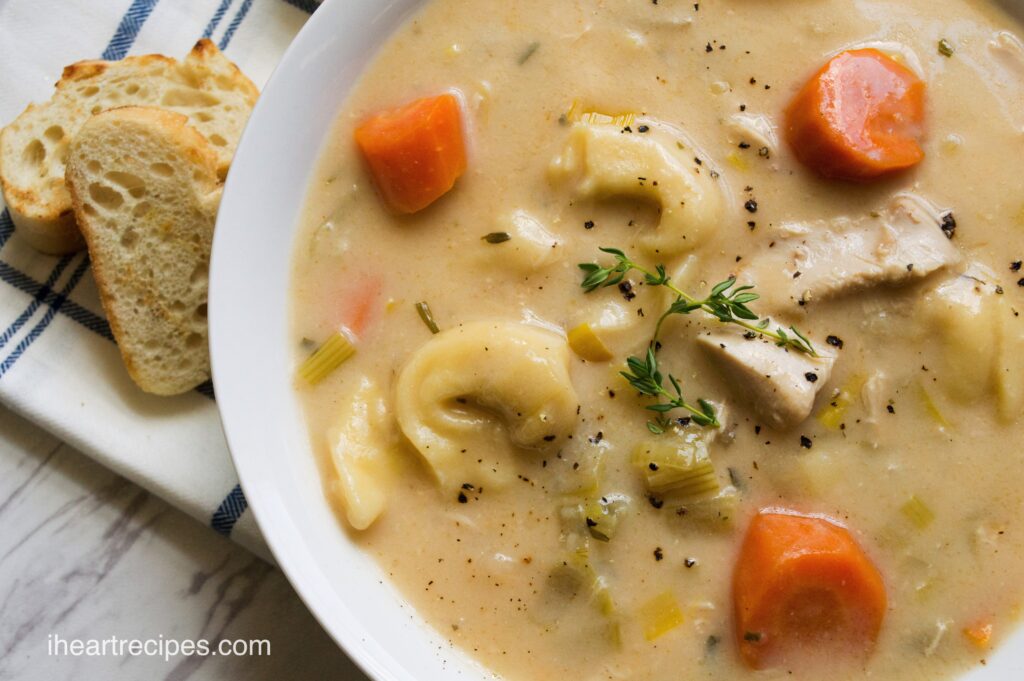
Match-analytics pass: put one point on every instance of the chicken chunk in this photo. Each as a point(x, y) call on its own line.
point(814, 262)
point(780, 384)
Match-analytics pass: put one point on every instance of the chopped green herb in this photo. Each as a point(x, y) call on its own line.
point(496, 237)
point(428, 318)
point(726, 301)
point(527, 53)
point(945, 48)
point(645, 377)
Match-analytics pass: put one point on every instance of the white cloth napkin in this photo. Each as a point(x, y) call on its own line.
point(59, 366)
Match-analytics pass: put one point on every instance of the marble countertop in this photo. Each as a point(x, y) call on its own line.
point(85, 554)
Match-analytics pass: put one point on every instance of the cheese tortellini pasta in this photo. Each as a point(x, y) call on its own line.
point(608, 161)
point(466, 384)
point(361, 449)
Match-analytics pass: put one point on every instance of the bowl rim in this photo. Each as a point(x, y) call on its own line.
point(348, 631)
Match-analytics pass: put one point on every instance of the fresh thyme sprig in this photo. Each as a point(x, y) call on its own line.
point(726, 301)
point(646, 378)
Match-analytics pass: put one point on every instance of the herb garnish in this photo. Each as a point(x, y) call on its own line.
point(945, 48)
point(726, 301)
point(427, 316)
point(496, 237)
point(527, 53)
point(646, 378)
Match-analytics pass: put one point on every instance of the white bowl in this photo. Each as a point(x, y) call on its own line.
point(252, 366)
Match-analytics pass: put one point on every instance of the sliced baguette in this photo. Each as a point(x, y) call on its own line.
point(145, 192)
point(206, 87)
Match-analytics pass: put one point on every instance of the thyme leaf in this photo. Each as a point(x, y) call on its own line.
point(726, 301)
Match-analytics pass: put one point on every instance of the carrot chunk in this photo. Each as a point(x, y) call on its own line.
point(861, 116)
point(980, 633)
point(416, 152)
point(803, 584)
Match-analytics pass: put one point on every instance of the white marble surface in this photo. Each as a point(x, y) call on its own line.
point(84, 554)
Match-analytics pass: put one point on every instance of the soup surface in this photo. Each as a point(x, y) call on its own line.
point(519, 490)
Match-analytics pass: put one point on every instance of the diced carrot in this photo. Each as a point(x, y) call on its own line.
point(803, 582)
point(360, 305)
point(980, 633)
point(416, 152)
point(859, 117)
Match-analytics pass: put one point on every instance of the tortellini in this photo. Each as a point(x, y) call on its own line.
point(608, 160)
point(983, 341)
point(362, 454)
point(467, 384)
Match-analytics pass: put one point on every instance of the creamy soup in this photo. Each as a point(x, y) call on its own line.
point(829, 484)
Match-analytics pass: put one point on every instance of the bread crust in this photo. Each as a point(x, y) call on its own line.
point(41, 209)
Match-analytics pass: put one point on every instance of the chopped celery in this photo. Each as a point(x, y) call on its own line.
point(660, 615)
point(602, 515)
point(918, 513)
point(575, 114)
point(833, 413)
point(931, 408)
point(575, 576)
point(682, 468)
point(588, 345)
point(328, 357)
point(718, 511)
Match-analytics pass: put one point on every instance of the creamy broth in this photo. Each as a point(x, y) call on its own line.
point(919, 404)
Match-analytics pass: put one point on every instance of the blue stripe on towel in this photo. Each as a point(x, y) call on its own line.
point(39, 297)
point(308, 6)
point(235, 23)
point(55, 306)
point(128, 29)
point(229, 511)
point(217, 16)
point(118, 47)
point(6, 227)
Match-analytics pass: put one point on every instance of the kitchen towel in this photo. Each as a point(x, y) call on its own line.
point(59, 366)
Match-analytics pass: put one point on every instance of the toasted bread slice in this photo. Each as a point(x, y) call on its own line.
point(145, 192)
point(206, 87)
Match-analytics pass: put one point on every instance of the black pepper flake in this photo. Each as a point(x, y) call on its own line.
point(468, 486)
point(653, 466)
point(757, 430)
point(751, 224)
point(744, 145)
point(891, 409)
point(549, 438)
point(948, 225)
point(589, 224)
point(690, 562)
point(763, 152)
point(597, 438)
point(698, 161)
point(750, 205)
point(626, 289)
point(642, 128)
point(753, 81)
point(811, 377)
point(1015, 266)
point(463, 498)
point(743, 107)
point(752, 637)
point(591, 523)
point(655, 501)
point(805, 442)
point(658, 555)
point(999, 290)
point(835, 341)
point(708, 48)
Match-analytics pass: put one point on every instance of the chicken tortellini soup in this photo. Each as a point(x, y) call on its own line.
point(648, 340)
